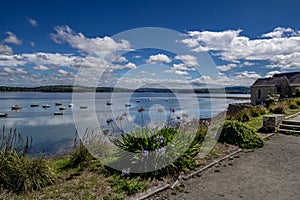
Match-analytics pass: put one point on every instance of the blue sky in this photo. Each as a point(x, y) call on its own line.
point(49, 42)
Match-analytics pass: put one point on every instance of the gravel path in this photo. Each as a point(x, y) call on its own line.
point(272, 172)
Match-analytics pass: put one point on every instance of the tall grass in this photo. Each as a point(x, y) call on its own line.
point(19, 172)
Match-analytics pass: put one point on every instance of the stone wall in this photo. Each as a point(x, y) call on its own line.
point(235, 108)
point(264, 92)
point(272, 122)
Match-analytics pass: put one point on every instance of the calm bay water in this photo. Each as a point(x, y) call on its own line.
point(55, 133)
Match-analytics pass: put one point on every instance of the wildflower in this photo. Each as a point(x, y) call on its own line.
point(141, 109)
point(125, 172)
point(145, 153)
point(109, 120)
point(160, 139)
point(161, 151)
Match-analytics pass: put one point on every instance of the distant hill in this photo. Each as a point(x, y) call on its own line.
point(70, 88)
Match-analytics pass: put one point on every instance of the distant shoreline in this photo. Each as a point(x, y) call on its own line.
point(70, 88)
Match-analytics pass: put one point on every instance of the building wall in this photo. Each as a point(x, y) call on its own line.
point(265, 91)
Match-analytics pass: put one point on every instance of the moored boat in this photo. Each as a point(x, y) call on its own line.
point(83, 107)
point(16, 107)
point(62, 108)
point(71, 105)
point(127, 105)
point(138, 100)
point(46, 106)
point(58, 113)
point(3, 114)
point(34, 105)
point(58, 104)
point(109, 103)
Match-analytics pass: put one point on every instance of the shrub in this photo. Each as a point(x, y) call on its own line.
point(80, 157)
point(293, 105)
point(298, 102)
point(272, 99)
point(237, 133)
point(152, 148)
point(20, 173)
point(244, 115)
point(280, 109)
point(257, 111)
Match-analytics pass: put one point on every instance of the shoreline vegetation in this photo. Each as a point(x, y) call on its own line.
point(70, 88)
point(79, 175)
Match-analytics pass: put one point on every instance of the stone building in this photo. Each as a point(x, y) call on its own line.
point(284, 84)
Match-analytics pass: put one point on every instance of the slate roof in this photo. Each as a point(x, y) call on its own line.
point(293, 78)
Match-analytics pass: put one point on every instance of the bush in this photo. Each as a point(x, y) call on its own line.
point(298, 102)
point(244, 115)
point(20, 173)
point(293, 105)
point(280, 109)
point(152, 148)
point(237, 133)
point(257, 111)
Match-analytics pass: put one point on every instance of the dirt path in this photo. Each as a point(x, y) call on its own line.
point(272, 172)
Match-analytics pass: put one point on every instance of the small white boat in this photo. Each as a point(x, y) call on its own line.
point(62, 108)
point(3, 114)
point(149, 99)
point(83, 107)
point(58, 113)
point(71, 105)
point(46, 106)
point(16, 107)
point(167, 99)
point(58, 104)
point(127, 105)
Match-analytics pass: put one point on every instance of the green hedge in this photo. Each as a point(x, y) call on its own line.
point(237, 133)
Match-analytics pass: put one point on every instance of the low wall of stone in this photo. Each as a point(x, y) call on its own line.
point(271, 122)
point(235, 108)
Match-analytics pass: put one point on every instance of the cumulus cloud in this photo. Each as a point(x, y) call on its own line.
point(188, 60)
point(14, 70)
point(121, 59)
point(226, 67)
point(279, 47)
point(5, 50)
point(102, 47)
point(41, 68)
point(279, 32)
point(12, 38)
point(32, 22)
point(158, 58)
point(130, 66)
point(271, 73)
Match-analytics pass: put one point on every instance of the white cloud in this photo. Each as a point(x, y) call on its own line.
point(16, 70)
point(181, 72)
point(12, 38)
point(32, 22)
point(5, 50)
point(32, 44)
point(280, 47)
point(63, 72)
point(271, 73)
point(188, 60)
point(278, 32)
point(158, 58)
point(226, 67)
point(102, 47)
point(121, 59)
point(41, 68)
point(130, 66)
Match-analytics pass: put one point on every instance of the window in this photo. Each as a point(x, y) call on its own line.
point(259, 94)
